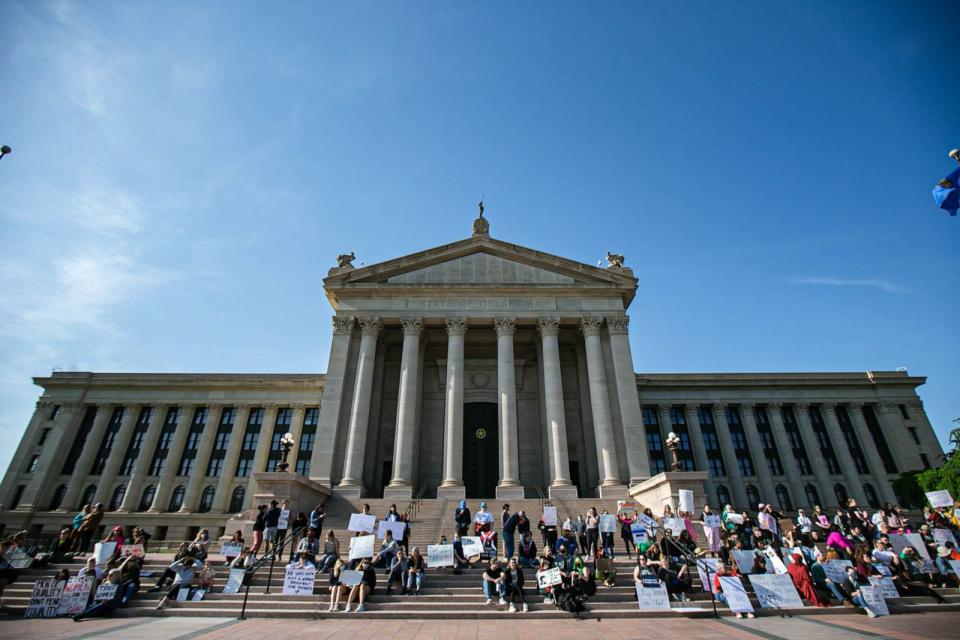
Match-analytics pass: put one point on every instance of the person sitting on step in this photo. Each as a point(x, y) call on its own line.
point(365, 588)
point(398, 572)
point(331, 552)
point(184, 571)
point(513, 584)
point(415, 572)
point(494, 582)
point(388, 549)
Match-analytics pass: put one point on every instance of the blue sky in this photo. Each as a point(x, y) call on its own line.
point(185, 173)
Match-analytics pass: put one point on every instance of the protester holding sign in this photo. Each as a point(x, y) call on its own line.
point(711, 528)
point(91, 569)
point(906, 584)
point(233, 548)
point(309, 547)
point(852, 586)
point(365, 589)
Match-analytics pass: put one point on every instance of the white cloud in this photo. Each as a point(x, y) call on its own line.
point(877, 283)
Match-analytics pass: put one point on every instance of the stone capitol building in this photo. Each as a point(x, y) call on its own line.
point(477, 369)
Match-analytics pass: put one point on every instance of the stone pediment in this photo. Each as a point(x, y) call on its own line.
point(480, 268)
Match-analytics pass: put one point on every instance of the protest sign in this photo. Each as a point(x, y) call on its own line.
point(735, 518)
point(45, 599)
point(786, 525)
point(940, 498)
point(472, 546)
point(18, 558)
point(395, 528)
point(639, 533)
point(298, 581)
point(198, 594)
point(774, 563)
point(361, 547)
point(647, 521)
point(106, 592)
point(439, 555)
point(183, 594)
point(881, 568)
point(711, 520)
point(608, 523)
point(744, 560)
point(234, 580)
point(135, 550)
point(103, 551)
point(75, 595)
point(284, 520)
point(676, 525)
point(736, 595)
point(874, 600)
point(836, 570)
point(702, 565)
point(349, 578)
point(550, 516)
point(901, 541)
point(775, 591)
point(955, 565)
point(885, 586)
point(685, 497)
point(628, 508)
point(942, 536)
point(231, 549)
point(360, 522)
point(652, 597)
point(548, 578)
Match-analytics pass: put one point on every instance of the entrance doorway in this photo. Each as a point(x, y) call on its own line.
point(481, 453)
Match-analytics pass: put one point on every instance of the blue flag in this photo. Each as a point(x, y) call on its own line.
point(947, 193)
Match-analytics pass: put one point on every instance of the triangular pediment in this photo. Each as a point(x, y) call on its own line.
point(480, 268)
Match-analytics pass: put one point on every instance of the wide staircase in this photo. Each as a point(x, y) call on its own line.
point(444, 594)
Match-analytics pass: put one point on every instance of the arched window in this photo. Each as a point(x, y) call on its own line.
point(176, 500)
point(783, 497)
point(57, 498)
point(813, 498)
point(236, 500)
point(88, 495)
point(723, 496)
point(206, 500)
point(146, 501)
point(753, 496)
point(841, 492)
point(871, 495)
point(117, 499)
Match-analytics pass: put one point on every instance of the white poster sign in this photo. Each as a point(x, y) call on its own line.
point(711, 520)
point(18, 558)
point(361, 547)
point(702, 565)
point(608, 523)
point(350, 578)
point(744, 560)
point(360, 522)
point(735, 518)
point(548, 578)
point(955, 565)
point(940, 498)
point(439, 555)
point(231, 549)
point(298, 581)
point(676, 525)
point(472, 546)
point(103, 551)
point(647, 521)
point(284, 520)
point(774, 563)
point(198, 594)
point(900, 541)
point(639, 532)
point(874, 599)
point(234, 581)
point(629, 508)
point(836, 570)
point(885, 586)
point(106, 592)
point(652, 597)
point(550, 516)
point(45, 599)
point(685, 496)
point(395, 528)
point(75, 595)
point(736, 595)
point(775, 591)
point(942, 536)
point(183, 594)
point(135, 550)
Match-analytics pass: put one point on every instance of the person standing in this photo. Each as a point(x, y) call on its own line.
point(259, 524)
point(317, 516)
point(593, 532)
point(462, 518)
point(270, 521)
point(509, 532)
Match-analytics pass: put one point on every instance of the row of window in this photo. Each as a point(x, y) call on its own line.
point(786, 504)
point(148, 496)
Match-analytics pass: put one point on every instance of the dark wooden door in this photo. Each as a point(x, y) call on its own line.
point(481, 455)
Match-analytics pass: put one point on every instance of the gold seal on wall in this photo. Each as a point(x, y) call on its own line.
point(481, 433)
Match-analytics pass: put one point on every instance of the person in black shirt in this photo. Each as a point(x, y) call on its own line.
point(513, 581)
point(494, 582)
point(366, 587)
point(258, 527)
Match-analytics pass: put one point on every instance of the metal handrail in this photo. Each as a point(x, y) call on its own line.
point(278, 549)
point(413, 508)
point(692, 558)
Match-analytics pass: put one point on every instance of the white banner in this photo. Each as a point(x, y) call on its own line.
point(284, 520)
point(350, 578)
point(942, 536)
point(685, 497)
point(298, 581)
point(361, 547)
point(736, 595)
point(874, 600)
point(360, 522)
point(106, 592)
point(885, 586)
point(548, 578)
point(439, 555)
point(774, 563)
point(744, 560)
point(234, 581)
point(712, 521)
point(652, 597)
point(75, 595)
point(395, 528)
point(103, 551)
point(775, 591)
point(18, 558)
point(231, 549)
point(836, 570)
point(550, 516)
point(940, 498)
point(702, 565)
point(608, 523)
point(45, 599)
point(472, 546)
point(676, 525)
point(135, 550)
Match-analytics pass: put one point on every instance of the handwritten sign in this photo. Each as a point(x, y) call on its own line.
point(472, 546)
point(103, 551)
point(874, 599)
point(362, 523)
point(350, 578)
point(439, 555)
point(711, 520)
point(198, 594)
point(774, 563)
point(396, 529)
point(628, 508)
point(550, 516)
point(940, 498)
point(45, 599)
point(234, 581)
point(608, 523)
point(735, 518)
point(885, 586)
point(183, 594)
point(744, 560)
point(18, 558)
point(955, 565)
point(703, 565)
point(647, 521)
point(685, 497)
point(106, 592)
point(676, 525)
point(298, 581)
point(775, 591)
point(135, 550)
point(652, 597)
point(284, 520)
point(361, 547)
point(231, 549)
point(943, 536)
point(901, 541)
point(549, 578)
point(75, 595)
point(836, 570)
point(736, 595)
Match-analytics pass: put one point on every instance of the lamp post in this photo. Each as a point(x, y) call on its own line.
point(286, 443)
point(673, 443)
point(5, 151)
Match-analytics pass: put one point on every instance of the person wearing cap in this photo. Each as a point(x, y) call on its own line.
point(942, 561)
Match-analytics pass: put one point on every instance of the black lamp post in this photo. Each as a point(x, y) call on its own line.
point(286, 443)
point(5, 150)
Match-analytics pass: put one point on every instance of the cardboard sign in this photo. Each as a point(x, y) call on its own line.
point(885, 586)
point(775, 591)
point(639, 532)
point(548, 578)
point(943, 536)
point(744, 560)
point(767, 522)
point(439, 555)
point(712, 521)
point(676, 525)
point(103, 551)
point(18, 558)
point(652, 597)
point(106, 592)
point(685, 497)
point(284, 520)
point(774, 563)
point(550, 516)
point(472, 546)
point(940, 498)
point(702, 565)
point(395, 528)
point(135, 550)
point(231, 549)
point(608, 523)
point(298, 581)
point(234, 581)
point(350, 578)
point(360, 522)
point(45, 599)
point(786, 525)
point(628, 508)
point(361, 547)
point(75, 596)
point(736, 595)
point(836, 570)
point(874, 600)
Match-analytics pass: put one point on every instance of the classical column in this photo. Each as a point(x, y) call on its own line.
point(928, 437)
point(172, 461)
point(757, 453)
point(791, 467)
point(144, 457)
point(229, 468)
point(28, 443)
point(117, 453)
point(90, 447)
point(352, 481)
point(509, 487)
point(631, 416)
point(560, 485)
point(452, 485)
point(52, 454)
point(842, 449)
point(198, 476)
point(296, 430)
point(401, 485)
point(812, 444)
point(331, 404)
point(696, 440)
point(907, 455)
point(737, 486)
point(870, 452)
point(264, 440)
point(610, 485)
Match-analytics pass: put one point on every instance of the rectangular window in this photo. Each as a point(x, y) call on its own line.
point(280, 427)
point(903, 411)
point(186, 466)
point(106, 445)
point(879, 440)
point(17, 495)
point(34, 461)
point(43, 437)
point(83, 432)
point(776, 468)
point(711, 442)
point(850, 436)
point(244, 467)
point(739, 440)
point(716, 467)
point(745, 465)
point(303, 466)
point(823, 440)
point(216, 464)
point(56, 411)
point(677, 416)
point(162, 449)
point(913, 434)
point(925, 461)
point(658, 463)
